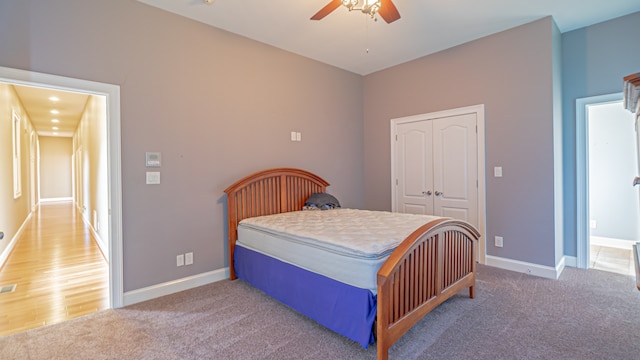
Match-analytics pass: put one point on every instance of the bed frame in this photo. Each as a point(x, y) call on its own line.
point(431, 265)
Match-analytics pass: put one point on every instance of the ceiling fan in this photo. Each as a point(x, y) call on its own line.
point(385, 8)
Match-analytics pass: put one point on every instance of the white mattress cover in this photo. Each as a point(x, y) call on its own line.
point(346, 245)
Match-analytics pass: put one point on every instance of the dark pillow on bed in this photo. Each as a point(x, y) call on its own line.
point(321, 201)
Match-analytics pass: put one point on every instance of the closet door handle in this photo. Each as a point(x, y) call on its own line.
point(428, 193)
point(438, 193)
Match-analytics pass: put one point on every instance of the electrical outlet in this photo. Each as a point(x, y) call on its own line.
point(499, 241)
point(180, 260)
point(188, 258)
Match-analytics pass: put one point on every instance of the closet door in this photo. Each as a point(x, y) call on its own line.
point(436, 167)
point(455, 167)
point(414, 168)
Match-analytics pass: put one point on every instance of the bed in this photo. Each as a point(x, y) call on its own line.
point(433, 263)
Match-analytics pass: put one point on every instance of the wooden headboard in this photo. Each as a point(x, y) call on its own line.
point(267, 192)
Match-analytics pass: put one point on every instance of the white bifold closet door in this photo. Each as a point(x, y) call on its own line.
point(437, 167)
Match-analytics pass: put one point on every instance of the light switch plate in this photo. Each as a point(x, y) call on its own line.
point(153, 177)
point(153, 159)
point(497, 171)
point(180, 260)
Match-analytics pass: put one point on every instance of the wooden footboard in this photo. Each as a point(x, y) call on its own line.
point(434, 263)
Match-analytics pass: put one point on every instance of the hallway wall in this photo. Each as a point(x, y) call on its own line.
point(13, 211)
point(91, 139)
point(55, 167)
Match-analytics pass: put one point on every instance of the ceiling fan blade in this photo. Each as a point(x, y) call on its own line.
point(388, 11)
point(334, 4)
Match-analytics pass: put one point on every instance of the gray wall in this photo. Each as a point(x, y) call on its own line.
point(595, 59)
point(511, 73)
point(218, 106)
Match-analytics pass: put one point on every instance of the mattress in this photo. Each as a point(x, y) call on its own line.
point(346, 245)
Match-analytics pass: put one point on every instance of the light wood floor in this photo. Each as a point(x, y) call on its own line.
point(612, 259)
point(59, 272)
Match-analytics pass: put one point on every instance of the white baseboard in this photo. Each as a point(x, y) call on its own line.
point(548, 272)
point(56, 199)
point(571, 261)
point(7, 251)
point(155, 291)
point(104, 248)
point(611, 242)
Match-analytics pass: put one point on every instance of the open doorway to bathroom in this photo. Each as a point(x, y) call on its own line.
point(613, 209)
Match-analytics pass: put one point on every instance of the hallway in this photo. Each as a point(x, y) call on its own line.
point(59, 271)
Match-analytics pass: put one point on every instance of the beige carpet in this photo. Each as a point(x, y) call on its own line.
point(587, 314)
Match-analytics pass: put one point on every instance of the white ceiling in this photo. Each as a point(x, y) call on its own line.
point(352, 41)
point(38, 106)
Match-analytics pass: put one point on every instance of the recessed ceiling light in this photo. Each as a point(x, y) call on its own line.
point(55, 133)
point(54, 98)
point(55, 111)
point(55, 120)
point(55, 128)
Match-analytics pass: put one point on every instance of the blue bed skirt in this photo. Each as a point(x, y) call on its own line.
point(345, 309)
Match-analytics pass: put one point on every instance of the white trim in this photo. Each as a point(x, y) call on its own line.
point(479, 111)
point(103, 247)
point(7, 251)
point(99, 242)
point(171, 287)
point(548, 272)
point(33, 155)
point(582, 174)
point(571, 261)
point(612, 242)
point(112, 93)
point(16, 135)
point(60, 199)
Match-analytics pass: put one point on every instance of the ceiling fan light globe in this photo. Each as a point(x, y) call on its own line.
point(371, 7)
point(350, 4)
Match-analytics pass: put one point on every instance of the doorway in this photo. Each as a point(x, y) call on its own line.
point(608, 211)
point(114, 187)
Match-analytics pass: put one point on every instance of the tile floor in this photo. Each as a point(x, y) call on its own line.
point(612, 259)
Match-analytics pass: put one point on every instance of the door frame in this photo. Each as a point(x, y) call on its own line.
point(478, 110)
point(582, 173)
point(112, 94)
point(34, 193)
